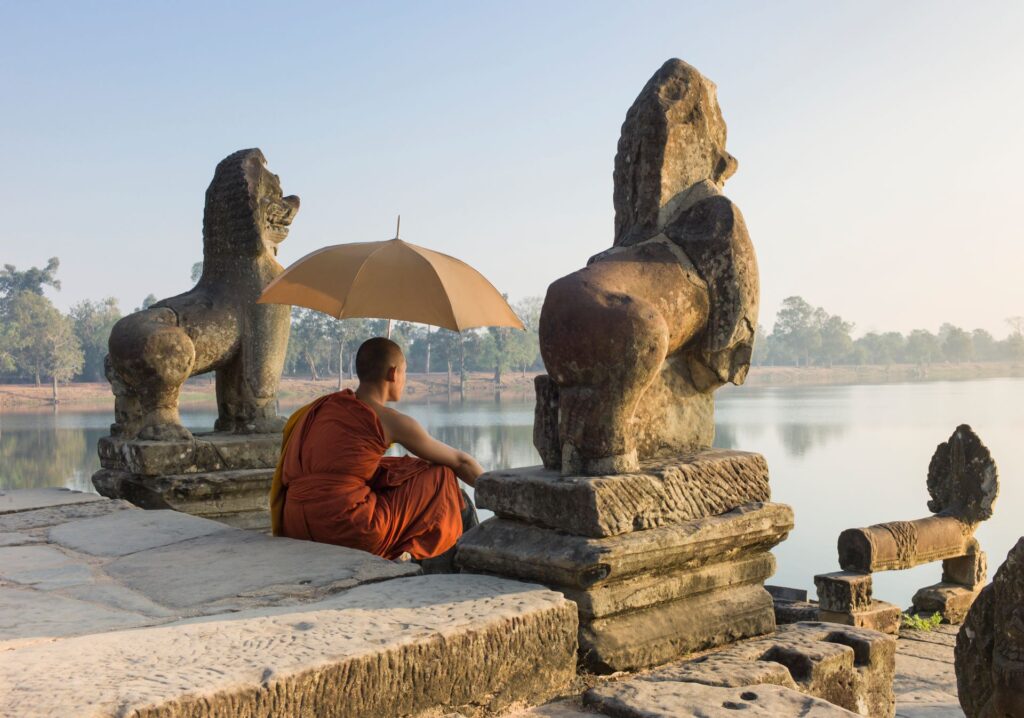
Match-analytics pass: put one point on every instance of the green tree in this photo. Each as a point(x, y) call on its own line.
point(956, 343)
point(47, 345)
point(92, 323)
point(836, 342)
point(13, 282)
point(923, 347)
point(985, 346)
point(796, 330)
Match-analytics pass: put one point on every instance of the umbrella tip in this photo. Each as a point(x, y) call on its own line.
point(398, 227)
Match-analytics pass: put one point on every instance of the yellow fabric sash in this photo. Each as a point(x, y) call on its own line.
point(277, 489)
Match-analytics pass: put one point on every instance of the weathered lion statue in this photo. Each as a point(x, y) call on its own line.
point(216, 326)
point(636, 342)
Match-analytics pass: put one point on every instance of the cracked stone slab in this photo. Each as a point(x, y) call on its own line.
point(17, 539)
point(126, 532)
point(640, 699)
point(512, 548)
point(453, 643)
point(233, 563)
point(29, 499)
point(28, 614)
point(662, 493)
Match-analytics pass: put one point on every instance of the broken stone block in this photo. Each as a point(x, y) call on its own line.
point(849, 667)
point(639, 699)
point(970, 570)
point(951, 600)
point(511, 548)
point(237, 498)
point(662, 493)
point(649, 636)
point(880, 616)
point(963, 480)
point(843, 591)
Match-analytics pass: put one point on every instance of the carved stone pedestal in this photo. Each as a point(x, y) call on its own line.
point(224, 477)
point(672, 565)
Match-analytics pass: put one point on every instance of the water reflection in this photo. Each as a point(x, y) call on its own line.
point(842, 456)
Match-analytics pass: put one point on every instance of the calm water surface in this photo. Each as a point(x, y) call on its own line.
point(842, 456)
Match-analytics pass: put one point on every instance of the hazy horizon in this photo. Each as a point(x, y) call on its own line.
point(878, 143)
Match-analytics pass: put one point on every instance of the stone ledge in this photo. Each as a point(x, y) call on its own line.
point(234, 497)
point(462, 643)
point(514, 549)
point(664, 492)
point(31, 499)
point(879, 616)
point(204, 453)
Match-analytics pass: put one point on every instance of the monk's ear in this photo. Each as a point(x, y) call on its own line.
point(392, 370)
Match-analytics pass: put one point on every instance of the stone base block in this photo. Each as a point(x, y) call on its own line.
point(650, 636)
point(663, 492)
point(848, 667)
point(237, 498)
point(651, 589)
point(951, 600)
point(204, 453)
point(510, 548)
point(787, 611)
point(844, 591)
point(970, 570)
point(880, 616)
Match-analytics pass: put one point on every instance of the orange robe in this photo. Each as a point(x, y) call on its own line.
point(334, 485)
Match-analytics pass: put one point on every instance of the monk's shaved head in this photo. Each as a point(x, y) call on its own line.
point(375, 357)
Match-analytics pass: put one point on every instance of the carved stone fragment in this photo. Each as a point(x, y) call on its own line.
point(962, 478)
point(990, 646)
point(844, 591)
point(637, 342)
point(216, 326)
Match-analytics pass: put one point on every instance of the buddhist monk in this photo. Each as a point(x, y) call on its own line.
point(334, 485)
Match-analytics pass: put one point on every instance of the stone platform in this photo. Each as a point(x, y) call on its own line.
point(108, 610)
point(220, 476)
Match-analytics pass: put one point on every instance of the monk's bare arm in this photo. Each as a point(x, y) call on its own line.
point(408, 432)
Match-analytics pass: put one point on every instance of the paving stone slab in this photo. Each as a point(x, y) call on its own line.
point(41, 518)
point(561, 709)
point(235, 563)
point(126, 532)
point(663, 492)
point(28, 614)
point(17, 539)
point(42, 567)
point(512, 548)
point(468, 644)
point(644, 699)
point(29, 499)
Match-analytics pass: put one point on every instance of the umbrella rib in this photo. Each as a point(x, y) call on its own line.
point(355, 279)
point(447, 298)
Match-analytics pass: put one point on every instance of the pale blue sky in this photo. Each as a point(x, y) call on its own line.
point(880, 143)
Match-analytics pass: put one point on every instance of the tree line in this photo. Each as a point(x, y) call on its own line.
point(40, 343)
point(805, 335)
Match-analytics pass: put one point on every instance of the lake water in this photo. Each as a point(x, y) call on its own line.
point(842, 456)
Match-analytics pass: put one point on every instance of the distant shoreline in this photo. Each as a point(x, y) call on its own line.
point(199, 392)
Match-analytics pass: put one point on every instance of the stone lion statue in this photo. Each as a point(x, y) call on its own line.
point(990, 645)
point(636, 342)
point(217, 325)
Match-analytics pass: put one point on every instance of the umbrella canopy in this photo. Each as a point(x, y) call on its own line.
point(392, 280)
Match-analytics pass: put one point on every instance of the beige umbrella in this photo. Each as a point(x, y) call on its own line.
point(392, 280)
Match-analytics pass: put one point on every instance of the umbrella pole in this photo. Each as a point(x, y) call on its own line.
point(390, 322)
